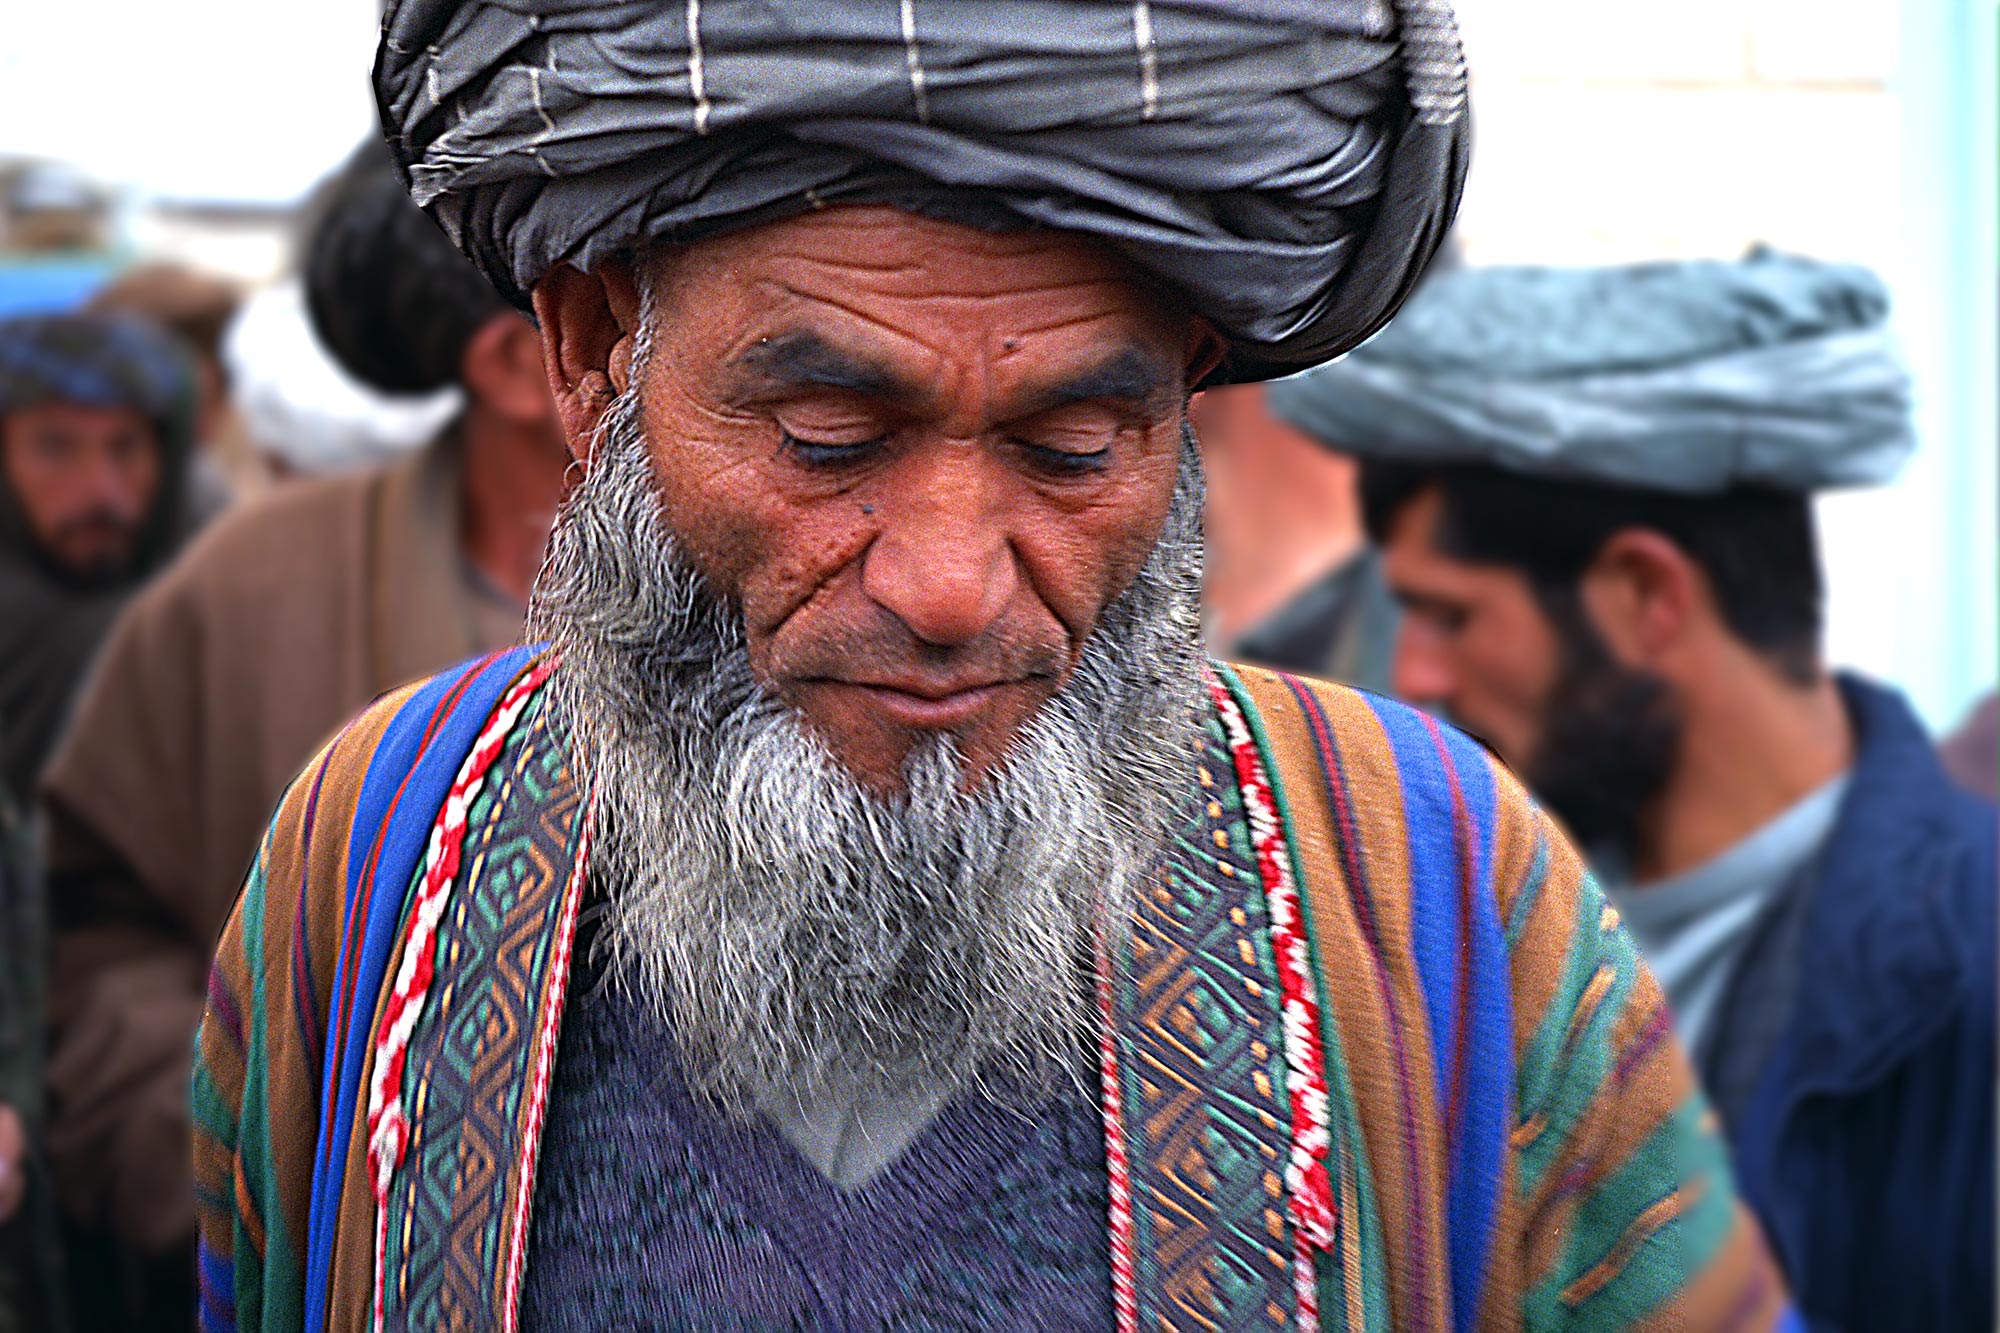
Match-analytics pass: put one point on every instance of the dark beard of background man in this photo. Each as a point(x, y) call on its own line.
point(1609, 738)
point(795, 931)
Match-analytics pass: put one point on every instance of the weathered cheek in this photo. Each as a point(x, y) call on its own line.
point(1107, 542)
point(806, 557)
point(739, 518)
point(716, 510)
point(712, 488)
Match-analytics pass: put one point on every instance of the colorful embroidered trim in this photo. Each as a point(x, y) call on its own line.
point(1124, 1280)
point(555, 991)
point(388, 1128)
point(1313, 1214)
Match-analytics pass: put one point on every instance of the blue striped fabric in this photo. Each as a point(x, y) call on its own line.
point(218, 1290)
point(1449, 812)
point(408, 778)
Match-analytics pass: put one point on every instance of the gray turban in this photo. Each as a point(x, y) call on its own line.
point(1287, 166)
point(1695, 377)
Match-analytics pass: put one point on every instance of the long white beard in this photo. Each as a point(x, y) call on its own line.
point(791, 927)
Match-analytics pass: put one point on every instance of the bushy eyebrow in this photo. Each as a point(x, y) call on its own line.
point(1428, 603)
point(1129, 375)
point(803, 359)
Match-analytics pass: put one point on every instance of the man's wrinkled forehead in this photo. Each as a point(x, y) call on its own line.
point(805, 356)
point(872, 299)
point(905, 253)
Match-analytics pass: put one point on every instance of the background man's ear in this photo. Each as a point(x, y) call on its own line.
point(502, 367)
point(590, 324)
point(1645, 595)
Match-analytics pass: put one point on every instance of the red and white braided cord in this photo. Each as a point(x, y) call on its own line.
point(388, 1127)
point(556, 988)
point(1307, 1180)
point(1124, 1284)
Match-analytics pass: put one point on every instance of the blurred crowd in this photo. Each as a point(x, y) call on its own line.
point(1569, 512)
point(228, 523)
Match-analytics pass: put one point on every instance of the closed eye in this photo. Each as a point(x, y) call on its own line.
point(1073, 439)
point(1069, 462)
point(829, 453)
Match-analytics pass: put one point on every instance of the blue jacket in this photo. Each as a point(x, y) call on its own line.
point(1865, 1135)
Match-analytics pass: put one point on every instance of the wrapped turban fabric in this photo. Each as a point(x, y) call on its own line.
point(1694, 377)
point(1287, 166)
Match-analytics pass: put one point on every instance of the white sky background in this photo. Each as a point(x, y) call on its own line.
point(213, 100)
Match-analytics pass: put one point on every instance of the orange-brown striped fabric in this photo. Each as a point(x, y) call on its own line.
point(259, 1056)
point(1616, 1206)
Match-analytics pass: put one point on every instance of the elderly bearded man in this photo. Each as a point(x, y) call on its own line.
point(951, 946)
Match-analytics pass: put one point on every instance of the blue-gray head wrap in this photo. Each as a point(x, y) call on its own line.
point(1696, 377)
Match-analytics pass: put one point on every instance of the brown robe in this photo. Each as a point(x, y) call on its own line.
point(214, 687)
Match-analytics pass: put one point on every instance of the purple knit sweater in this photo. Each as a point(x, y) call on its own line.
point(653, 1211)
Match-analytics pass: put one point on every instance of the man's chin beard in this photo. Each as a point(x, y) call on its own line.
point(1607, 749)
point(791, 927)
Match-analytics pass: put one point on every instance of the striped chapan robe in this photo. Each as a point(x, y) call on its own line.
point(1376, 1054)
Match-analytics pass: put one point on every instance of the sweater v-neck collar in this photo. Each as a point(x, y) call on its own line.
point(849, 1132)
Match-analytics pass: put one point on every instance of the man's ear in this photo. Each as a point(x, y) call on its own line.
point(590, 325)
point(1644, 594)
point(1201, 351)
point(502, 367)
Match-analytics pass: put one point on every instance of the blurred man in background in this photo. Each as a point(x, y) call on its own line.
point(1593, 493)
point(216, 686)
point(302, 414)
point(96, 420)
point(196, 309)
point(1291, 580)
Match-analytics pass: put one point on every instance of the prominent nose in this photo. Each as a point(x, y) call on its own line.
point(942, 562)
point(1422, 673)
